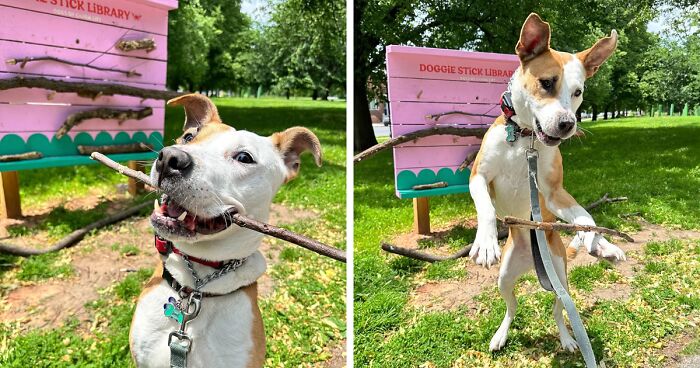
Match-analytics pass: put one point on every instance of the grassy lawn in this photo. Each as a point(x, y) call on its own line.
point(654, 162)
point(304, 315)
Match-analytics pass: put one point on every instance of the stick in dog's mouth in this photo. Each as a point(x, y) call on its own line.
point(172, 217)
point(237, 218)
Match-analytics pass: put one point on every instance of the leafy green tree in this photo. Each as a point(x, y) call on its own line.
point(191, 30)
point(308, 45)
point(494, 26)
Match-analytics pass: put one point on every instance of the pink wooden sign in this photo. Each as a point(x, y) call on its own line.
point(424, 82)
point(82, 32)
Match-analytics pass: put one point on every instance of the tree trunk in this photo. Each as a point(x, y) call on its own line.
point(578, 115)
point(594, 109)
point(314, 96)
point(287, 93)
point(364, 134)
point(605, 114)
point(326, 92)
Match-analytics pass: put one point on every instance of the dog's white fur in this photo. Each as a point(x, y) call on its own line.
point(499, 181)
point(228, 331)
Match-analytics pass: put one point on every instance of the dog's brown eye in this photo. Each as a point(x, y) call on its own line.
point(547, 84)
point(577, 93)
point(244, 157)
point(187, 137)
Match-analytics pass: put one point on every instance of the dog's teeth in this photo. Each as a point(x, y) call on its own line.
point(156, 206)
point(182, 216)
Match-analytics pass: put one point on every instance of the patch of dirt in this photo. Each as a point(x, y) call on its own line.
point(673, 349)
point(452, 294)
point(338, 356)
point(96, 266)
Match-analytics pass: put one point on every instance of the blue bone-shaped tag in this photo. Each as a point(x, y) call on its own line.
point(171, 310)
point(510, 131)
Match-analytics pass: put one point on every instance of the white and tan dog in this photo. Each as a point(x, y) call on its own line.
point(212, 170)
point(546, 91)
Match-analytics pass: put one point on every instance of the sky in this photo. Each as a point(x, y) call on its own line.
point(256, 10)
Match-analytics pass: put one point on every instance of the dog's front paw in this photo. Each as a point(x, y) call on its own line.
point(568, 343)
point(498, 340)
point(601, 248)
point(485, 250)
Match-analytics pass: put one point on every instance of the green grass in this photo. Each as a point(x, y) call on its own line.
point(106, 346)
point(304, 316)
point(654, 162)
point(44, 266)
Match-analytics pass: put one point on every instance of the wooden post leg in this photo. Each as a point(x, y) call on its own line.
point(421, 216)
point(135, 186)
point(10, 206)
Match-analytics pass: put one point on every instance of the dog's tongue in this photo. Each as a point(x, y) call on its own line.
point(174, 209)
point(190, 222)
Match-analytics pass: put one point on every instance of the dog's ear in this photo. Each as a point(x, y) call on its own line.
point(594, 57)
point(534, 38)
point(291, 143)
point(199, 110)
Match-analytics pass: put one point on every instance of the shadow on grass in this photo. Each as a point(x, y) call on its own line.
point(61, 221)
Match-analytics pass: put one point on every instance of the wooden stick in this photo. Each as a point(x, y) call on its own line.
point(138, 175)
point(436, 117)
point(116, 148)
point(427, 257)
point(421, 256)
point(76, 236)
point(558, 226)
point(33, 155)
point(89, 90)
point(105, 113)
point(147, 44)
point(467, 161)
point(23, 62)
point(284, 234)
point(238, 218)
point(603, 200)
point(440, 184)
point(437, 130)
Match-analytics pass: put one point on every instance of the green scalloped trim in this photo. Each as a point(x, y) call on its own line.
point(457, 182)
point(13, 144)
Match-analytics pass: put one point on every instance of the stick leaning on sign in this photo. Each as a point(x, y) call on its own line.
point(237, 218)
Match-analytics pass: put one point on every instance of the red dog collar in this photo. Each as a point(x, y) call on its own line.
point(166, 247)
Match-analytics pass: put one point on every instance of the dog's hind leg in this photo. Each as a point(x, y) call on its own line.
point(517, 259)
point(558, 251)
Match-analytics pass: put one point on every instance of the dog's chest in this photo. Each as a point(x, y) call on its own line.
point(506, 164)
point(222, 333)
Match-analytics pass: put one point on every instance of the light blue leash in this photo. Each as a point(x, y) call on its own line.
point(576, 324)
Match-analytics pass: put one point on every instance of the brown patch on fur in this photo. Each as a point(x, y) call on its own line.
point(199, 110)
point(291, 143)
point(553, 239)
point(257, 355)
point(560, 197)
point(501, 120)
point(546, 65)
point(564, 57)
point(209, 131)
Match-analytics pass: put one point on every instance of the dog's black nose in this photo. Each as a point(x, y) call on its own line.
point(565, 126)
point(173, 161)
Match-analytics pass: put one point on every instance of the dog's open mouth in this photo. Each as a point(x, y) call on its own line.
point(544, 138)
point(173, 218)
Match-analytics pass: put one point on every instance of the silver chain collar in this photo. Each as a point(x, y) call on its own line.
point(199, 283)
